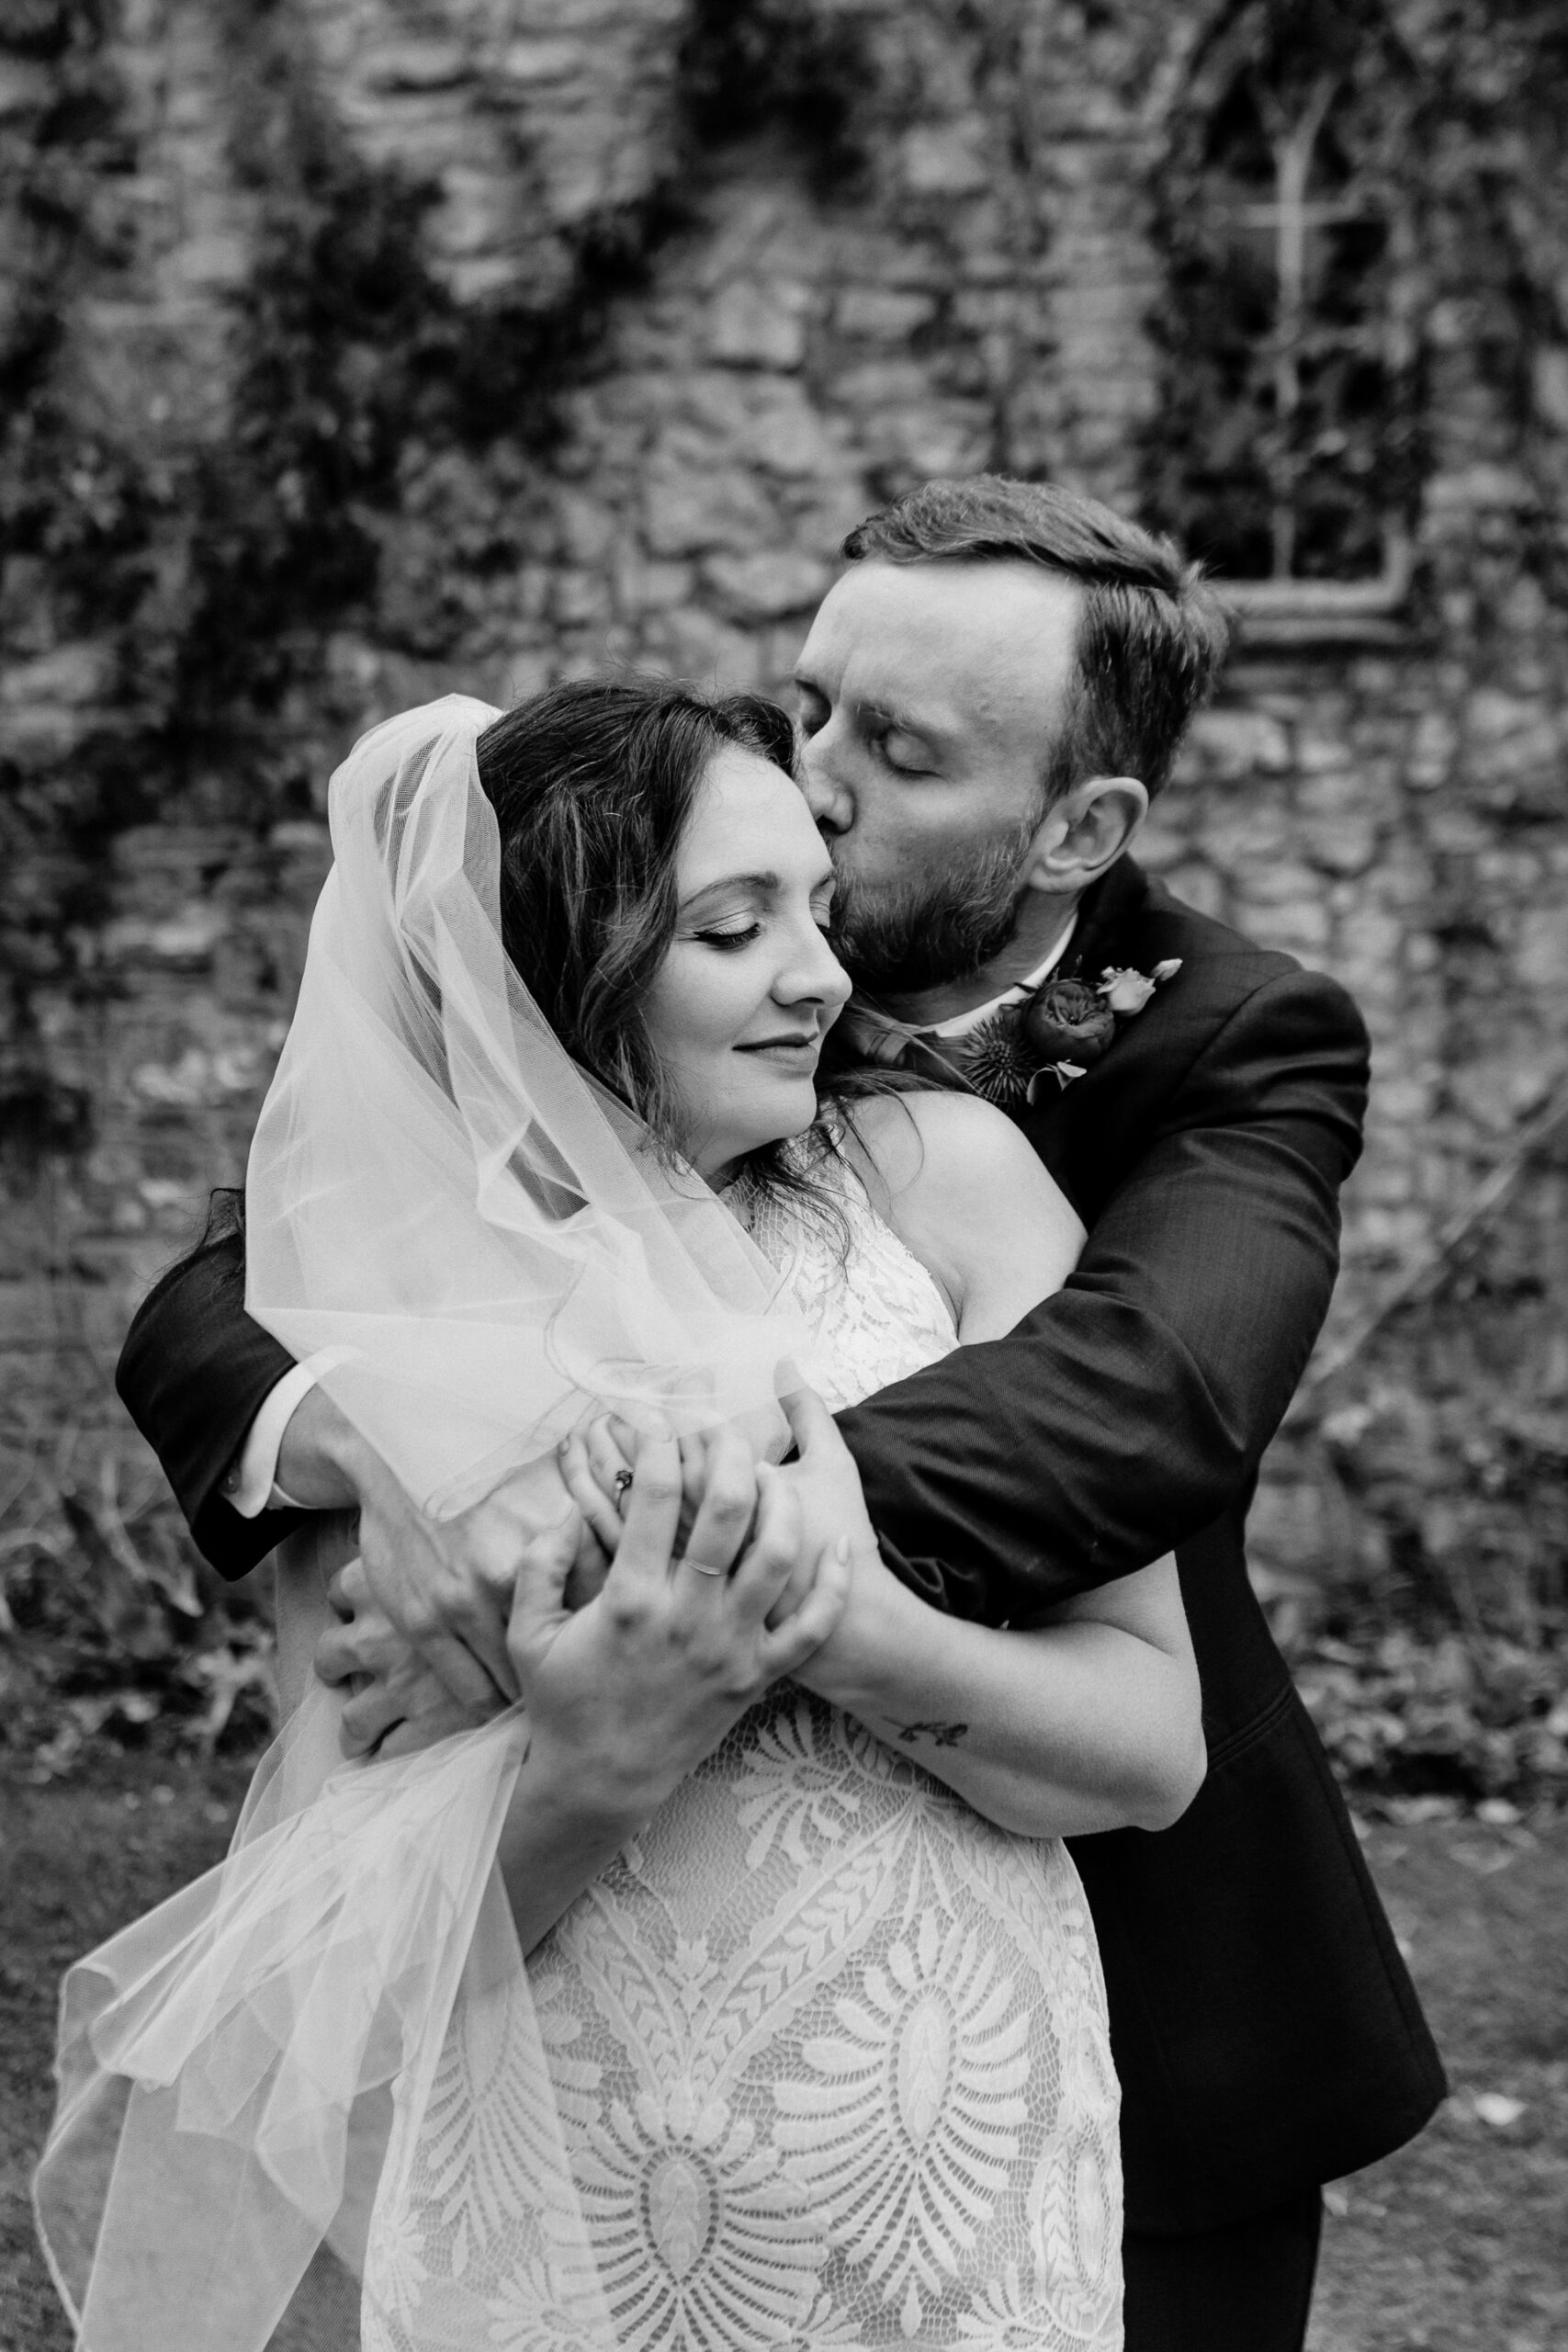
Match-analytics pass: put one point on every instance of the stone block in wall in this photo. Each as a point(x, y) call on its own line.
point(691, 643)
point(873, 385)
point(1345, 843)
point(182, 942)
point(1549, 386)
point(415, 61)
point(1359, 784)
point(948, 438)
point(1288, 1529)
point(211, 266)
point(1404, 1098)
point(27, 90)
point(1199, 886)
point(946, 159)
point(758, 324)
point(1454, 500)
point(695, 514)
point(1538, 950)
point(1160, 846)
point(589, 527)
point(760, 587)
point(608, 22)
point(766, 420)
point(1232, 743)
point(1295, 926)
point(1512, 739)
point(537, 61)
point(882, 313)
point(46, 702)
point(1241, 831)
point(642, 584)
point(198, 1078)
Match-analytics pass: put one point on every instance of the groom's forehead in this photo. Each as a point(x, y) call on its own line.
point(940, 641)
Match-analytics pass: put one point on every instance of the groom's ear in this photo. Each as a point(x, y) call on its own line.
point(1085, 833)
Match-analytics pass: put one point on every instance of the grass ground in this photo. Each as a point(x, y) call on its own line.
point(1459, 2244)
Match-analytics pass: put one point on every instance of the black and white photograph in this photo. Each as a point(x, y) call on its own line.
point(783, 1176)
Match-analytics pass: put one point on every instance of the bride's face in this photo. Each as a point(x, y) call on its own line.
point(748, 987)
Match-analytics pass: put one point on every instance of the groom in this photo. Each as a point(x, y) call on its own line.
point(991, 694)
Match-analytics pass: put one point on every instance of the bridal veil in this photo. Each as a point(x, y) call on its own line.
point(475, 1247)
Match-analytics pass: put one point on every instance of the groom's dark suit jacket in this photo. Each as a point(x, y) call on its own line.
point(1266, 2030)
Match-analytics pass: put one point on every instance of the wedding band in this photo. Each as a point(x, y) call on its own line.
point(621, 1481)
point(700, 1569)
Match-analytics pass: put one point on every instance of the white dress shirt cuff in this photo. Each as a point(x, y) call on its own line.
point(252, 1485)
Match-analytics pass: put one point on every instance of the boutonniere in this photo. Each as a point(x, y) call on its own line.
point(1059, 1032)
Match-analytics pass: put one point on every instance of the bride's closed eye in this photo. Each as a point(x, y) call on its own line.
point(744, 938)
point(741, 938)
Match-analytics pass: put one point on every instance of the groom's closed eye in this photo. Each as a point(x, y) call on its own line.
point(904, 754)
point(811, 709)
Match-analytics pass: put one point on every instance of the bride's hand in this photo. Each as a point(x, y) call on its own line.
point(598, 1464)
point(633, 1690)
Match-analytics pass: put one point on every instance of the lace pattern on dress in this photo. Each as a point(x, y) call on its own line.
point(827, 2051)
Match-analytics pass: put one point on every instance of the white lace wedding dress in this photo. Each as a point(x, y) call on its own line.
point(828, 2052)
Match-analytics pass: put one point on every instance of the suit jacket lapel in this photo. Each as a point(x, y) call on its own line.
point(1106, 917)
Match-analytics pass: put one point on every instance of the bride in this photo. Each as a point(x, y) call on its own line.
point(808, 2045)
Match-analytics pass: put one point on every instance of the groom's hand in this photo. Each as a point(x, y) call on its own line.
point(446, 1585)
point(847, 1669)
point(392, 1700)
point(443, 1588)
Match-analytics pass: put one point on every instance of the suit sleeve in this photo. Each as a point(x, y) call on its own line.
point(1125, 1413)
point(192, 1375)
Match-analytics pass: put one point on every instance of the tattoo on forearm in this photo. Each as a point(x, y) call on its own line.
point(939, 1734)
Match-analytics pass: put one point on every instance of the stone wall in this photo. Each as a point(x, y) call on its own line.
point(821, 251)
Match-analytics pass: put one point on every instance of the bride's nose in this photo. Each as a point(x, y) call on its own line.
point(813, 975)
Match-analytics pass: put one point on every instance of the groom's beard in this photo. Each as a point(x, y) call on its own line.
point(927, 932)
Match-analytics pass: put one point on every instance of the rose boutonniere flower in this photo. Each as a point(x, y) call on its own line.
point(1059, 1032)
point(1067, 1021)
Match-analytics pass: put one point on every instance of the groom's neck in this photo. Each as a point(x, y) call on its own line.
point(1043, 920)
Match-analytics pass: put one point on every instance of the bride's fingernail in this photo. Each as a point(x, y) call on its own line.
point(841, 1549)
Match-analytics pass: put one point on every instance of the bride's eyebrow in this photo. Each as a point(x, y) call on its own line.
point(758, 886)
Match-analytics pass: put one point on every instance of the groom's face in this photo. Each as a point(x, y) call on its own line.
point(931, 696)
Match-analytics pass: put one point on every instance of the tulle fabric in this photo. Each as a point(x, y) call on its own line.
point(242, 2070)
point(475, 1248)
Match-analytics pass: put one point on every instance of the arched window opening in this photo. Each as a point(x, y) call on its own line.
point(1287, 446)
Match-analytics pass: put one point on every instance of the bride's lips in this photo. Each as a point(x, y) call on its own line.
point(797, 1055)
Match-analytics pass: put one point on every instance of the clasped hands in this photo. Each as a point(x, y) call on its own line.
point(680, 1581)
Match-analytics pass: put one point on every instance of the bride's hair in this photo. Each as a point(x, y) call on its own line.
point(592, 784)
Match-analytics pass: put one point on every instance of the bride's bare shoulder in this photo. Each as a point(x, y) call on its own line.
point(962, 1189)
point(935, 1139)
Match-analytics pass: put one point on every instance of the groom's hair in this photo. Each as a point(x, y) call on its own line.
point(592, 784)
point(1152, 636)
